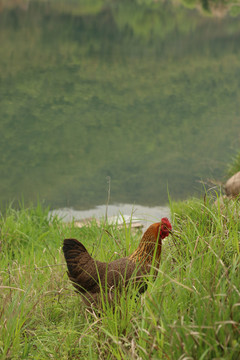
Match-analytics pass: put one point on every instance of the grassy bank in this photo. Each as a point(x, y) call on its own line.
point(234, 166)
point(191, 311)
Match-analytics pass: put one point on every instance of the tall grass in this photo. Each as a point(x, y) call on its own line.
point(191, 311)
point(234, 165)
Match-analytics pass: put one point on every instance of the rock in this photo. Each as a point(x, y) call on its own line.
point(232, 186)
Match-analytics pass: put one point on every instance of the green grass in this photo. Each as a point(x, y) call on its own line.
point(234, 166)
point(191, 311)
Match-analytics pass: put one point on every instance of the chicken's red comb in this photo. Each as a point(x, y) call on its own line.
point(166, 222)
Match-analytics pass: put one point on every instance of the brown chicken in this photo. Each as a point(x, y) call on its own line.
point(89, 276)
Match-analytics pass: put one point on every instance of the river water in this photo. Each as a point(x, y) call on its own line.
point(144, 93)
point(120, 214)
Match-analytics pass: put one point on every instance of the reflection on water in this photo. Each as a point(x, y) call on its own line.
point(217, 8)
point(144, 92)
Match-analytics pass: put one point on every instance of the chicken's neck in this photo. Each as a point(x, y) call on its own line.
point(147, 251)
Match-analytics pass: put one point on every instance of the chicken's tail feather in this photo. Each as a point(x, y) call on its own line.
point(71, 247)
point(73, 251)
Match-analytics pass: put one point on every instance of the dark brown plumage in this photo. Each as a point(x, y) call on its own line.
point(89, 275)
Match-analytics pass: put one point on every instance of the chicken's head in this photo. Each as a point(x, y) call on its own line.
point(161, 229)
point(165, 227)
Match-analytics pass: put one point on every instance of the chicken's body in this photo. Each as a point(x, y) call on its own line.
point(89, 275)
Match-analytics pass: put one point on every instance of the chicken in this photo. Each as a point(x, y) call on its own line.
point(89, 276)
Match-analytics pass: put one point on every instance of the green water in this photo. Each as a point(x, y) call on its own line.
point(147, 93)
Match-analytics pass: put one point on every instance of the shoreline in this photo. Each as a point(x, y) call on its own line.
point(115, 213)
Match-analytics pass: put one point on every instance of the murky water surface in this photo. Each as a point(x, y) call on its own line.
point(146, 93)
point(116, 214)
